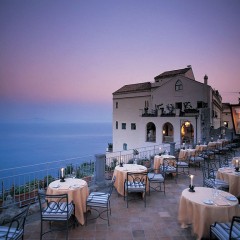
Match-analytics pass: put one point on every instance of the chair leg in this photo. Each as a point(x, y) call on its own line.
point(67, 231)
point(41, 230)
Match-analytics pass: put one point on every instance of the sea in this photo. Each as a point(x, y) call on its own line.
point(23, 144)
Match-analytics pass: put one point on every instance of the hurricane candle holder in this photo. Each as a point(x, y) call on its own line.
point(237, 166)
point(62, 175)
point(191, 188)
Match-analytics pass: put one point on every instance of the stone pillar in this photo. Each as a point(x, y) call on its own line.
point(172, 148)
point(100, 169)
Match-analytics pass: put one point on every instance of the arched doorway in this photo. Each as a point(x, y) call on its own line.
point(187, 132)
point(151, 132)
point(167, 133)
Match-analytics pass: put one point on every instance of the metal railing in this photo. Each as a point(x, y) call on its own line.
point(20, 185)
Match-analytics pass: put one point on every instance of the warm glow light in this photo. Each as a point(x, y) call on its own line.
point(187, 124)
point(163, 132)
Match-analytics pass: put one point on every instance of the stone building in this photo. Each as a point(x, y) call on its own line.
point(173, 108)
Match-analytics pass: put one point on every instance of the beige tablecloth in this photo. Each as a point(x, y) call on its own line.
point(158, 160)
point(233, 178)
point(201, 147)
point(77, 190)
point(185, 153)
point(193, 210)
point(214, 145)
point(121, 175)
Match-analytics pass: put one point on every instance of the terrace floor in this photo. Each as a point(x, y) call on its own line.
point(159, 220)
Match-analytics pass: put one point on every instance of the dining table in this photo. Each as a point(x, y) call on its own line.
point(159, 160)
point(185, 153)
point(204, 207)
point(201, 147)
point(77, 190)
point(232, 177)
point(121, 175)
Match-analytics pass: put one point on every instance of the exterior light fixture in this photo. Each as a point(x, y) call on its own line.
point(187, 124)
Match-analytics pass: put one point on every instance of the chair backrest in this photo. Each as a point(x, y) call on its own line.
point(137, 177)
point(16, 225)
point(53, 203)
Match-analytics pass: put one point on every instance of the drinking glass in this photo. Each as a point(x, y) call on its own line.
point(73, 173)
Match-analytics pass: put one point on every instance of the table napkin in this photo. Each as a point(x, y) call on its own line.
point(221, 202)
point(63, 187)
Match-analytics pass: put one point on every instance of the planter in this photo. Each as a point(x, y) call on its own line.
point(88, 179)
point(147, 163)
point(24, 199)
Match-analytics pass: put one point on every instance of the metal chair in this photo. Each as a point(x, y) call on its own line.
point(135, 183)
point(228, 230)
point(14, 229)
point(169, 167)
point(100, 200)
point(156, 180)
point(197, 158)
point(56, 208)
point(209, 180)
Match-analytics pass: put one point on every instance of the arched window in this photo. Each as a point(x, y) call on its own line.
point(178, 85)
point(151, 132)
point(167, 133)
point(187, 132)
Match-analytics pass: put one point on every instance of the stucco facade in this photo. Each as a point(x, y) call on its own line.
point(173, 108)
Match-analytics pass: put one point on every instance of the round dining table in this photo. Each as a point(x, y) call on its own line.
point(158, 160)
point(185, 153)
point(229, 175)
point(199, 209)
point(77, 190)
point(121, 175)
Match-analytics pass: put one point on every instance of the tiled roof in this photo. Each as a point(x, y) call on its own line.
point(134, 87)
point(172, 73)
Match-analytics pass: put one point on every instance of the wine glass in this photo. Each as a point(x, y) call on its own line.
point(73, 173)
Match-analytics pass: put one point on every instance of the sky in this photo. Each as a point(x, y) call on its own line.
point(62, 60)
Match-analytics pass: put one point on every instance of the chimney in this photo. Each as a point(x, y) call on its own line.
point(205, 79)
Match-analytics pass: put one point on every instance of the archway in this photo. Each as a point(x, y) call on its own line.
point(167, 133)
point(151, 132)
point(187, 132)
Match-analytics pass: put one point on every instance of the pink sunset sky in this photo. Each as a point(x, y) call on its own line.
point(62, 60)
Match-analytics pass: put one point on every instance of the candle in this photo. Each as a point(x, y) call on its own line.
point(191, 176)
point(236, 163)
point(62, 172)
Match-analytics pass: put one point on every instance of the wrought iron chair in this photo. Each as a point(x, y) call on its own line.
point(169, 167)
point(100, 200)
point(183, 164)
point(14, 229)
point(135, 183)
point(228, 230)
point(209, 179)
point(198, 158)
point(56, 208)
point(156, 180)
